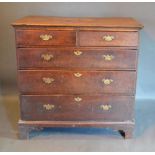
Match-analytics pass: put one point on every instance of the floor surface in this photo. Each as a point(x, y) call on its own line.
point(76, 139)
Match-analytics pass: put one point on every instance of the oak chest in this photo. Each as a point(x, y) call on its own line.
point(77, 72)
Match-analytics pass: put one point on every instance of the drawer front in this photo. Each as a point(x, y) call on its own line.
point(45, 37)
point(76, 82)
point(101, 38)
point(74, 108)
point(76, 58)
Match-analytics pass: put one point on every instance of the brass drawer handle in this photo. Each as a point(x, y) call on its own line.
point(107, 81)
point(108, 57)
point(105, 107)
point(47, 57)
point(78, 99)
point(77, 53)
point(77, 74)
point(48, 106)
point(47, 80)
point(46, 37)
point(108, 38)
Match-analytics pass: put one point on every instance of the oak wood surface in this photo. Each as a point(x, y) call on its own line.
point(32, 37)
point(66, 58)
point(64, 21)
point(126, 127)
point(78, 123)
point(66, 108)
point(81, 100)
point(89, 38)
point(65, 82)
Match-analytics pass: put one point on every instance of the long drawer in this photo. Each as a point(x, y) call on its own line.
point(76, 82)
point(102, 38)
point(74, 108)
point(73, 58)
point(45, 37)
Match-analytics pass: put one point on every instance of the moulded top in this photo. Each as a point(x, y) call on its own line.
point(115, 22)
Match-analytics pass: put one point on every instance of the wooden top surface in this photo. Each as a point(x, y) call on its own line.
point(83, 22)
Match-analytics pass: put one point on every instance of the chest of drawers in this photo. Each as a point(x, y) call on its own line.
point(77, 72)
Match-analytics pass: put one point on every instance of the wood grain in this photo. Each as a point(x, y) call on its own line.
point(65, 58)
point(89, 38)
point(26, 127)
point(65, 21)
point(50, 93)
point(67, 109)
point(65, 82)
point(32, 37)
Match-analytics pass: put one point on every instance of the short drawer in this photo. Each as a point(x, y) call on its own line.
point(101, 38)
point(74, 108)
point(45, 37)
point(76, 82)
point(76, 58)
